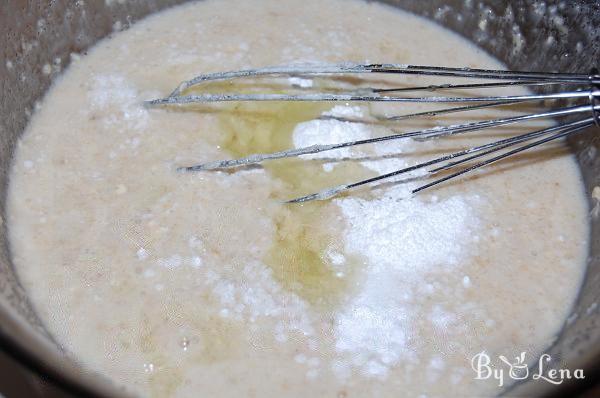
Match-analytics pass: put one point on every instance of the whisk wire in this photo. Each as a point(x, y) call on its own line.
point(434, 132)
point(353, 68)
point(493, 147)
point(581, 87)
point(565, 133)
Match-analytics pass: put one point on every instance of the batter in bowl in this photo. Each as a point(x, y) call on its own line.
point(183, 284)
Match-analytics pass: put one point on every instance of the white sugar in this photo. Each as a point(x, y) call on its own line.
point(149, 273)
point(346, 111)
point(253, 294)
point(441, 318)
point(117, 103)
point(408, 234)
point(466, 281)
point(331, 132)
point(403, 238)
point(173, 261)
point(194, 242)
point(196, 261)
point(300, 82)
point(300, 358)
point(142, 254)
point(335, 257)
point(382, 158)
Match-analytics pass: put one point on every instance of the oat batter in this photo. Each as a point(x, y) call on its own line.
point(204, 284)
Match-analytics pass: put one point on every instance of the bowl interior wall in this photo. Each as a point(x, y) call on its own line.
point(527, 35)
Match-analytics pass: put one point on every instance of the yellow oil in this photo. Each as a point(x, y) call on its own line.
point(305, 232)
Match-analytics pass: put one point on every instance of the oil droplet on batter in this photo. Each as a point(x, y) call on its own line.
point(304, 233)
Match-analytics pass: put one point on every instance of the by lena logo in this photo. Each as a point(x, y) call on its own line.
point(518, 369)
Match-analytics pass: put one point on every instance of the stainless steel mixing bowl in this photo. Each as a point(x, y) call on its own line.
point(529, 35)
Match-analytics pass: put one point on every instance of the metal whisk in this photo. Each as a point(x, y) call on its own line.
point(582, 90)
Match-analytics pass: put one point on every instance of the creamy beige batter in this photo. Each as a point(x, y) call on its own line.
point(204, 284)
